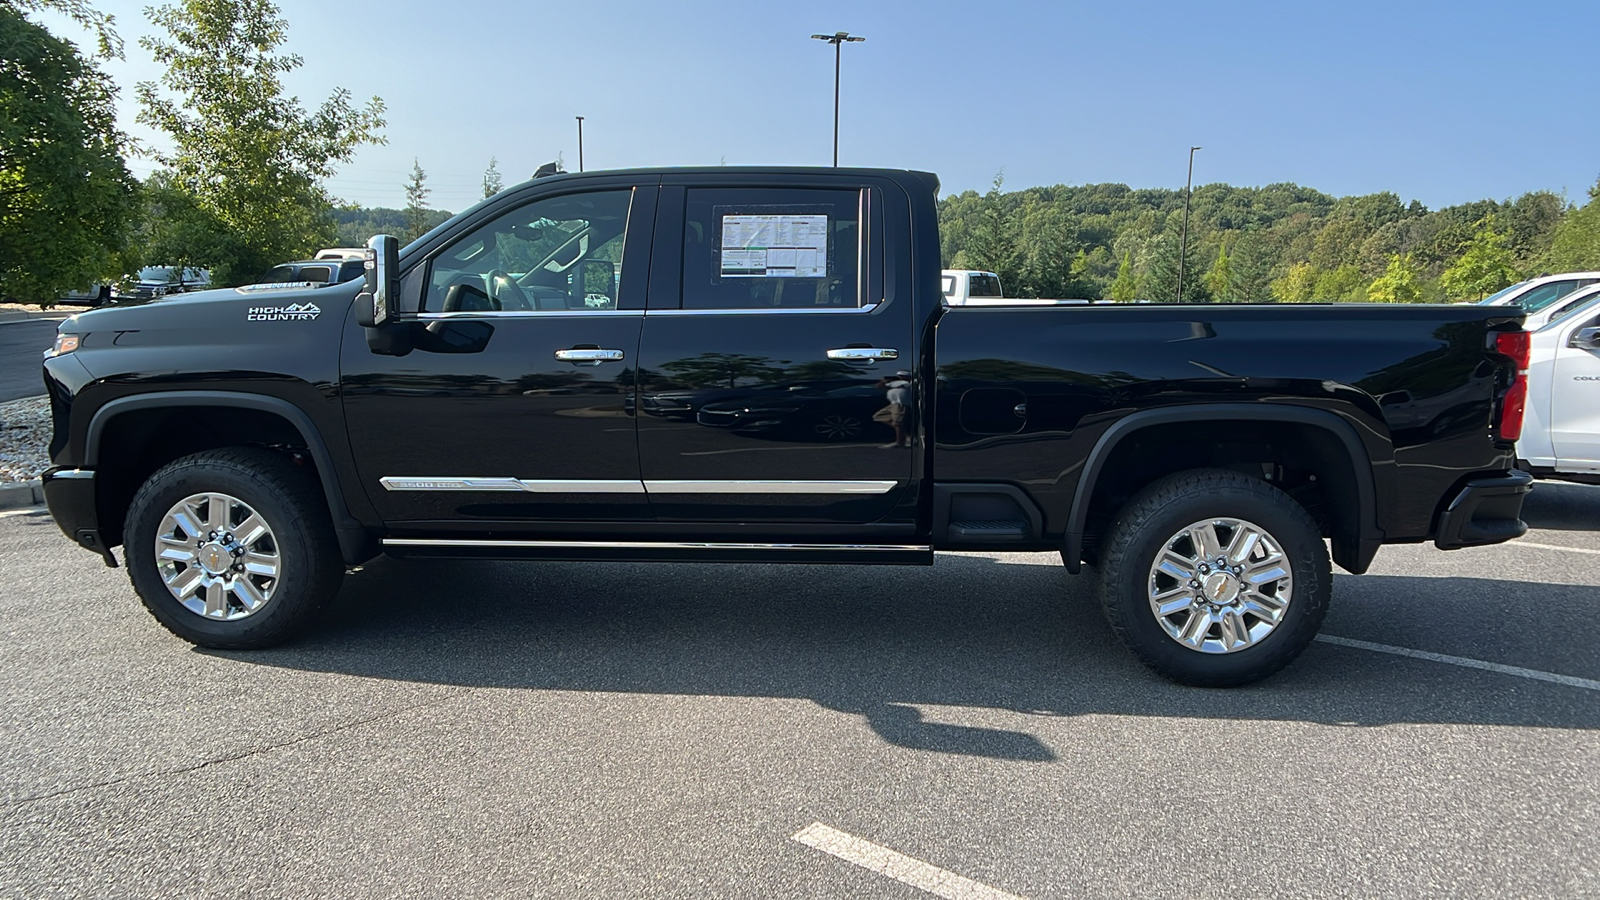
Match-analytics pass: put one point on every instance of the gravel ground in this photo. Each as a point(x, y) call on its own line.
point(24, 439)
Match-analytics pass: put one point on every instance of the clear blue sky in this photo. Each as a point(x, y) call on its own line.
point(1443, 102)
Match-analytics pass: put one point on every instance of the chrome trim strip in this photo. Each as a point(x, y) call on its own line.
point(73, 475)
point(529, 485)
point(642, 545)
point(770, 487)
point(845, 310)
point(522, 314)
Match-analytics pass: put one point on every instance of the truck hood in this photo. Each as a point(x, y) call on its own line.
point(246, 307)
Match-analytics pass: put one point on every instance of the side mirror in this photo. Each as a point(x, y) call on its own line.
point(378, 302)
point(596, 283)
point(1586, 338)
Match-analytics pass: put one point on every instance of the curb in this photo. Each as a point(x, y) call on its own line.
point(10, 317)
point(22, 495)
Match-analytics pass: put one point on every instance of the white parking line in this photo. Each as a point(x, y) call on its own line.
point(1555, 547)
point(902, 868)
point(1587, 684)
point(30, 511)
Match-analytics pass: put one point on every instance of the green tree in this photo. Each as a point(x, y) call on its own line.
point(1575, 246)
point(252, 159)
point(1219, 280)
point(1486, 266)
point(66, 198)
point(1125, 289)
point(416, 201)
point(493, 183)
point(1399, 283)
point(1251, 271)
point(1162, 283)
point(1298, 285)
point(992, 245)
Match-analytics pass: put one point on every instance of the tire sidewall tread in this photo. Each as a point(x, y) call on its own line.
point(284, 494)
point(1157, 513)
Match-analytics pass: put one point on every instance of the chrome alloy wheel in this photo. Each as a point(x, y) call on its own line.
point(217, 556)
point(1220, 585)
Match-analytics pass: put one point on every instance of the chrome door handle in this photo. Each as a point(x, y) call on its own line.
point(863, 354)
point(588, 356)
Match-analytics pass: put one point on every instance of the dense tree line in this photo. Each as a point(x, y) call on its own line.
point(1282, 242)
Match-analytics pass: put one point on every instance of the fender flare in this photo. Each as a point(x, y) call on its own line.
point(354, 541)
point(1354, 558)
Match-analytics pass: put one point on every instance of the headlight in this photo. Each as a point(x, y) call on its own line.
point(65, 343)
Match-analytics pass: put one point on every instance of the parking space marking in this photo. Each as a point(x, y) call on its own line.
point(30, 511)
point(1555, 547)
point(902, 868)
point(1587, 684)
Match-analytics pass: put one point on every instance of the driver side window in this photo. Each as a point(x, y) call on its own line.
point(554, 254)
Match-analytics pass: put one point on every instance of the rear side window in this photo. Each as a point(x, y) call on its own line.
point(984, 286)
point(772, 248)
point(350, 271)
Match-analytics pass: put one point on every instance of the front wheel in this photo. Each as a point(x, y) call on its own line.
point(1214, 579)
point(232, 549)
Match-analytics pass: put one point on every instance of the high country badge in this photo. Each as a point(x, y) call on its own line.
point(294, 312)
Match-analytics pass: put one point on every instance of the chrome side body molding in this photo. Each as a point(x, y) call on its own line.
point(578, 486)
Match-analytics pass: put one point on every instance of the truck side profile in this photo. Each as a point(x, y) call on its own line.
point(755, 365)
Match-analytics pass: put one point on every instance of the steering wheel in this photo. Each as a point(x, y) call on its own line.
point(503, 287)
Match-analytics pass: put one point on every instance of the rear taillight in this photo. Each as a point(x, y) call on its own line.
point(1513, 344)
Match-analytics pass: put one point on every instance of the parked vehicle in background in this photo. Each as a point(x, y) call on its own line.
point(341, 253)
point(969, 287)
point(155, 282)
point(93, 295)
point(1561, 430)
point(1537, 294)
point(313, 271)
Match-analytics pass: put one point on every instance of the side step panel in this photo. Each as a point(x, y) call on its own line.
point(652, 551)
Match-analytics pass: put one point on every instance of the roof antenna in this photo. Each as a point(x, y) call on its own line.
point(549, 168)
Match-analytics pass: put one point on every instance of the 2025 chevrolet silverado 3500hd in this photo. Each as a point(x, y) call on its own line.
point(754, 365)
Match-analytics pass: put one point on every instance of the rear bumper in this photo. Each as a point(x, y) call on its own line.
point(70, 495)
point(1486, 511)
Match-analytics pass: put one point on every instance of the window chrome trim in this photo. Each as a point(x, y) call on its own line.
point(528, 485)
point(643, 545)
point(522, 314)
point(770, 487)
point(766, 310)
point(619, 486)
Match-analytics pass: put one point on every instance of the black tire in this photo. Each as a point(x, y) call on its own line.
point(1162, 511)
point(289, 499)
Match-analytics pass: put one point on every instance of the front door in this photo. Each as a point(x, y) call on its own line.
point(515, 403)
point(776, 368)
point(1575, 399)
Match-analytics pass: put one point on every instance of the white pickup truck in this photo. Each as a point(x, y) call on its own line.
point(1561, 429)
point(970, 287)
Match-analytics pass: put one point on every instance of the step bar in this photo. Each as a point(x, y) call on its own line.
point(662, 551)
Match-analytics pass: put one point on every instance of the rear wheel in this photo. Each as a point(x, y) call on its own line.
point(1215, 579)
point(232, 549)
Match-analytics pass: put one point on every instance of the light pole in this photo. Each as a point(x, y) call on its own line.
point(1183, 243)
point(837, 40)
point(580, 142)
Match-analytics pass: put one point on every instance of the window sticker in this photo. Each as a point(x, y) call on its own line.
point(779, 246)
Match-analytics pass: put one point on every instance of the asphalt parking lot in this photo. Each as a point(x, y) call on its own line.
point(22, 345)
point(555, 730)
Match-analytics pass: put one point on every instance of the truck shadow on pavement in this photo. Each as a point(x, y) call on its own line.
point(1563, 507)
point(879, 642)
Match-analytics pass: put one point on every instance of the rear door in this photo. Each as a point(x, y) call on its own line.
point(1575, 398)
point(777, 362)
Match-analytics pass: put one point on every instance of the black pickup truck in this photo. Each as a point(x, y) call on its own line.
point(754, 365)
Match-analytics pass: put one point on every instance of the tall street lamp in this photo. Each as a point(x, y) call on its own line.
point(837, 40)
point(580, 142)
point(1183, 243)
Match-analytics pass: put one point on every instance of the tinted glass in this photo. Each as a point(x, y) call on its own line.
point(766, 248)
point(984, 286)
point(1545, 294)
point(556, 253)
point(316, 274)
